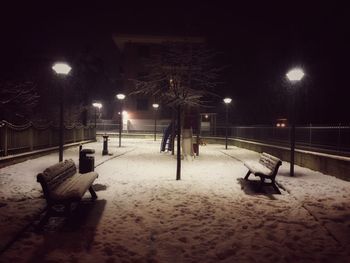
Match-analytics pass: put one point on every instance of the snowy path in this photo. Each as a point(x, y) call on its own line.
point(144, 215)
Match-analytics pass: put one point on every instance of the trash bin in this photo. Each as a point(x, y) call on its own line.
point(86, 160)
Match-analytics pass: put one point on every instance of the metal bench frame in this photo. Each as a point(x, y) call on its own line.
point(271, 177)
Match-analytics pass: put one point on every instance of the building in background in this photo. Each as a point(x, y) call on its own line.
point(134, 52)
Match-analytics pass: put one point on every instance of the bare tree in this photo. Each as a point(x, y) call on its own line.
point(181, 75)
point(17, 99)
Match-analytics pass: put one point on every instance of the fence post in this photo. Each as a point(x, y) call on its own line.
point(83, 133)
point(4, 137)
point(31, 138)
point(75, 133)
point(310, 134)
point(51, 131)
point(338, 139)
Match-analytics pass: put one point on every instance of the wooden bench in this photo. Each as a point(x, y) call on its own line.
point(63, 185)
point(266, 168)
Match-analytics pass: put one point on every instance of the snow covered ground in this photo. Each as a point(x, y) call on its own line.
point(144, 215)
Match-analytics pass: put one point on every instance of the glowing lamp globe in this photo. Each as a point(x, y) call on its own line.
point(97, 105)
point(295, 74)
point(120, 96)
point(227, 100)
point(61, 68)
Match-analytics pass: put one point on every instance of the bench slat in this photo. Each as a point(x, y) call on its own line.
point(54, 175)
point(75, 187)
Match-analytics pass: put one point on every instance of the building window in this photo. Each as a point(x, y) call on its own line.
point(142, 104)
point(144, 52)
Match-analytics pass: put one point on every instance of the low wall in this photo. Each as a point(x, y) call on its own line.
point(337, 166)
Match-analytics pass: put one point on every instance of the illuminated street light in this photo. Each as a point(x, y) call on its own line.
point(227, 101)
point(61, 69)
point(155, 107)
point(120, 97)
point(294, 76)
point(98, 106)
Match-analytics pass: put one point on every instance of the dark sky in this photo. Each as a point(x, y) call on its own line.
point(259, 42)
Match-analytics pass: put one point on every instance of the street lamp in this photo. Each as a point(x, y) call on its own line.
point(155, 107)
point(120, 97)
point(61, 69)
point(98, 106)
point(294, 76)
point(227, 101)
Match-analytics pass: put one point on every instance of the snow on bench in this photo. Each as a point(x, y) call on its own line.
point(63, 185)
point(266, 168)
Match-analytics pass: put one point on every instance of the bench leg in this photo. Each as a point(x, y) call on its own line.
point(92, 192)
point(44, 220)
point(262, 183)
point(275, 187)
point(247, 175)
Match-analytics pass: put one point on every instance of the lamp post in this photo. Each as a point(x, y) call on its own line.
point(61, 69)
point(155, 107)
point(98, 106)
point(120, 97)
point(294, 76)
point(227, 101)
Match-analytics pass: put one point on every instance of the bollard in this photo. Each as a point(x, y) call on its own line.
point(105, 145)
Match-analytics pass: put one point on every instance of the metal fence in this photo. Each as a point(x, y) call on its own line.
point(15, 139)
point(327, 139)
point(145, 128)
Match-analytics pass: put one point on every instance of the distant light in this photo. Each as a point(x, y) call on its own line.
point(278, 125)
point(295, 74)
point(283, 125)
point(97, 105)
point(125, 113)
point(155, 105)
point(120, 96)
point(227, 100)
point(206, 116)
point(61, 68)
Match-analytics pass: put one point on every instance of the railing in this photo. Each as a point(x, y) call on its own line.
point(327, 139)
point(15, 139)
point(114, 128)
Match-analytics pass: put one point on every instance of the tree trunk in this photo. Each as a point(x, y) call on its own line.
point(178, 167)
point(172, 141)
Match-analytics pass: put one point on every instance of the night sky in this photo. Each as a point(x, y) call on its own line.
point(258, 44)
